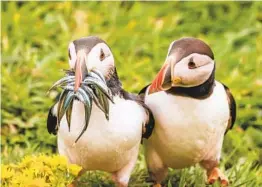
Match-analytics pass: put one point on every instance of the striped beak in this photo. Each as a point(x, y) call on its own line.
point(164, 79)
point(80, 69)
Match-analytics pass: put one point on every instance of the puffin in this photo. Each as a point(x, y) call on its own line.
point(112, 144)
point(192, 112)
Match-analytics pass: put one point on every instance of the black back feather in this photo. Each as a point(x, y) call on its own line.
point(51, 122)
point(232, 108)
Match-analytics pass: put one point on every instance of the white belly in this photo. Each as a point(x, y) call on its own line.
point(187, 130)
point(106, 145)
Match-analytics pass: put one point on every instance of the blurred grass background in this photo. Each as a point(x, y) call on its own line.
point(34, 41)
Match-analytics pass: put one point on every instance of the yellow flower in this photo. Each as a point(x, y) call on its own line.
point(6, 172)
point(28, 173)
point(43, 158)
point(38, 167)
point(39, 182)
point(26, 161)
point(74, 169)
point(21, 179)
point(47, 170)
point(39, 171)
point(58, 161)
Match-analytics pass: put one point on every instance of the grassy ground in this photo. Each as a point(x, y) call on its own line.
point(34, 43)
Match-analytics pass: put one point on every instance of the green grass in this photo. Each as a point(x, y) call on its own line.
point(34, 40)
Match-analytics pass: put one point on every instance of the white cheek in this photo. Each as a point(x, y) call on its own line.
point(105, 65)
point(192, 77)
point(92, 61)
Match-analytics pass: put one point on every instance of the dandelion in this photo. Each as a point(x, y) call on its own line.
point(39, 182)
point(74, 169)
point(6, 172)
point(39, 171)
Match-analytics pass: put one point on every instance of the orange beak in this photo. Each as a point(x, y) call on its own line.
point(78, 75)
point(158, 83)
point(80, 69)
point(165, 78)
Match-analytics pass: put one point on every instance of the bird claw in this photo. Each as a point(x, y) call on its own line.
point(216, 174)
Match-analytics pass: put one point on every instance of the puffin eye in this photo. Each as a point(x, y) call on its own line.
point(69, 55)
point(191, 65)
point(102, 55)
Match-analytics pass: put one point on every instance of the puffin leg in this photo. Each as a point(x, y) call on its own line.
point(122, 176)
point(214, 173)
point(156, 168)
point(157, 176)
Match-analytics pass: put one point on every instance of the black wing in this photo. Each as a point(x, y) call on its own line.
point(232, 108)
point(151, 122)
point(51, 122)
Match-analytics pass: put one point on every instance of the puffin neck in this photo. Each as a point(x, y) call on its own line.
point(199, 92)
point(114, 83)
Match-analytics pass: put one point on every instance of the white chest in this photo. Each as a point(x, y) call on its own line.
point(188, 130)
point(106, 144)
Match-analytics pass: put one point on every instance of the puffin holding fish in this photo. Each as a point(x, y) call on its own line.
point(192, 112)
point(109, 143)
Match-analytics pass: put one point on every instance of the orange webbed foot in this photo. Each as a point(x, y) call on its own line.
point(157, 185)
point(216, 174)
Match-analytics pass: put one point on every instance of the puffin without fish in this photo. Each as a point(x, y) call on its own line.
point(111, 144)
point(192, 112)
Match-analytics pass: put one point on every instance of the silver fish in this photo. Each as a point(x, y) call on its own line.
point(63, 81)
point(88, 107)
point(99, 85)
point(92, 88)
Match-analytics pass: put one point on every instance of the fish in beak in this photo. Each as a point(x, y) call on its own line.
point(165, 78)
